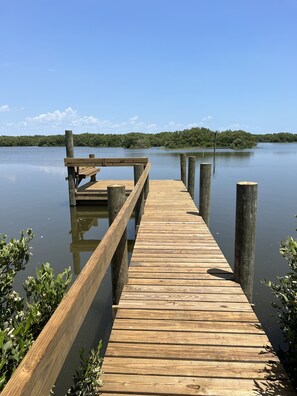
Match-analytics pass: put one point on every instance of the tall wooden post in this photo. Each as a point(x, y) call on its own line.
point(93, 177)
point(139, 207)
point(183, 168)
point(119, 265)
point(146, 187)
point(204, 192)
point(70, 170)
point(191, 176)
point(214, 151)
point(245, 236)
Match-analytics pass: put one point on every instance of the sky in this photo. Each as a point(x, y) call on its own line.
point(118, 66)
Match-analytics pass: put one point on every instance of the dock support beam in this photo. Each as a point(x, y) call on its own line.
point(139, 207)
point(191, 176)
point(183, 168)
point(71, 170)
point(119, 265)
point(204, 192)
point(93, 177)
point(245, 236)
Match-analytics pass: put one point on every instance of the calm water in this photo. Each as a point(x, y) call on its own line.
point(34, 194)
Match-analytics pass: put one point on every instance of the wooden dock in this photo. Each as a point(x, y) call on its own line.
point(183, 326)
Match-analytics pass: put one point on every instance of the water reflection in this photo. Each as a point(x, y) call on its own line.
point(84, 219)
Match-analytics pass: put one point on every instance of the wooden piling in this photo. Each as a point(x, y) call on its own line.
point(139, 207)
point(191, 176)
point(146, 188)
point(245, 235)
point(204, 192)
point(183, 168)
point(119, 265)
point(93, 177)
point(214, 151)
point(70, 169)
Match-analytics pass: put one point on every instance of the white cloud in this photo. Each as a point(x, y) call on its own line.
point(55, 116)
point(4, 108)
point(207, 118)
point(235, 127)
point(192, 125)
point(59, 120)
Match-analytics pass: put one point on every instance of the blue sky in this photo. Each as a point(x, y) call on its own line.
point(147, 65)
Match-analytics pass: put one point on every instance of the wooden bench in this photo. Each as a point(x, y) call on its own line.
point(84, 172)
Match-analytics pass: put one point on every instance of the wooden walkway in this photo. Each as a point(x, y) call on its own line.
point(183, 327)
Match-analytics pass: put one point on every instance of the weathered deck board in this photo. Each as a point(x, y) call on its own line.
point(183, 327)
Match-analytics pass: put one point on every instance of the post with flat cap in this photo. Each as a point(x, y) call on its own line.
point(245, 236)
point(70, 169)
point(204, 192)
point(191, 176)
point(183, 168)
point(119, 265)
point(93, 177)
point(139, 207)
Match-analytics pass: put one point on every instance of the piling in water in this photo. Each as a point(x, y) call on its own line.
point(70, 170)
point(245, 236)
point(139, 207)
point(204, 192)
point(183, 168)
point(119, 265)
point(191, 176)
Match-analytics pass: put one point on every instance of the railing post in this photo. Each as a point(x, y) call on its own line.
point(146, 188)
point(245, 236)
point(183, 168)
point(70, 170)
point(93, 177)
point(139, 207)
point(191, 176)
point(119, 265)
point(204, 192)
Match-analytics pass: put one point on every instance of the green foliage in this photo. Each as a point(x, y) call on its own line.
point(22, 319)
point(285, 293)
point(87, 379)
point(194, 137)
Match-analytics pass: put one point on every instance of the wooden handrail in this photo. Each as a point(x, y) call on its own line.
point(72, 162)
point(39, 369)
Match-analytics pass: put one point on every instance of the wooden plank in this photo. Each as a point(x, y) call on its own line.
point(234, 290)
point(189, 338)
point(187, 325)
point(178, 296)
point(193, 352)
point(181, 275)
point(165, 314)
point(171, 385)
point(182, 282)
point(190, 368)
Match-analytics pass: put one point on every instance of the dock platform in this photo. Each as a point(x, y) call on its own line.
point(183, 326)
point(97, 191)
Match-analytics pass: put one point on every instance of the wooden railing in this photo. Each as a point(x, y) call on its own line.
point(73, 162)
point(38, 371)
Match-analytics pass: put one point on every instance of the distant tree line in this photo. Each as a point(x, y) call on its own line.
point(194, 137)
